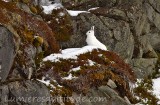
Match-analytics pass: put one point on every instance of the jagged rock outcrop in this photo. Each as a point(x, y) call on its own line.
point(7, 52)
point(20, 42)
point(25, 92)
point(27, 35)
point(123, 26)
point(106, 97)
point(153, 13)
point(24, 39)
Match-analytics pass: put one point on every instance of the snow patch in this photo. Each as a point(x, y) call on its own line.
point(61, 14)
point(76, 13)
point(156, 87)
point(69, 77)
point(93, 8)
point(70, 53)
point(47, 83)
point(75, 69)
point(91, 63)
point(48, 9)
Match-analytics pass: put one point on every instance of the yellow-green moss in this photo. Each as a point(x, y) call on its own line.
point(38, 58)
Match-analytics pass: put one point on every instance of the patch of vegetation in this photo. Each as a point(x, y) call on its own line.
point(107, 66)
point(60, 22)
point(144, 92)
point(24, 25)
point(144, 89)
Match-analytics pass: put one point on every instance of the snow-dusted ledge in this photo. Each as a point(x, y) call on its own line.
point(69, 53)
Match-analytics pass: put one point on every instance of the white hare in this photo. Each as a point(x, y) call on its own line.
point(93, 41)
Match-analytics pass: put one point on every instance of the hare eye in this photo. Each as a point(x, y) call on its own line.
point(89, 32)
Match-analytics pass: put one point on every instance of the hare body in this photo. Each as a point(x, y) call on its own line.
point(93, 41)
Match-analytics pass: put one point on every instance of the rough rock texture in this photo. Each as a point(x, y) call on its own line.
point(131, 28)
point(24, 93)
point(7, 52)
point(20, 41)
point(23, 43)
point(107, 95)
point(124, 27)
point(153, 13)
point(114, 34)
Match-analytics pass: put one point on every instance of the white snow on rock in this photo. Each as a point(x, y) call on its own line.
point(48, 9)
point(47, 83)
point(70, 53)
point(93, 41)
point(75, 69)
point(156, 88)
point(91, 63)
point(75, 12)
point(93, 8)
point(69, 77)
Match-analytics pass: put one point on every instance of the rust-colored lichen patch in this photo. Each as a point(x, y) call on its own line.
point(60, 22)
point(107, 65)
point(15, 20)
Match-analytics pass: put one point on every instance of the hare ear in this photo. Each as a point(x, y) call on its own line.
point(92, 28)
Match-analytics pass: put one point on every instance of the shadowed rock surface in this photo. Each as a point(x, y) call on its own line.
point(7, 52)
point(124, 27)
point(130, 28)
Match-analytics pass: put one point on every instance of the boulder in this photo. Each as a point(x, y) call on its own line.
point(7, 52)
point(152, 10)
point(113, 33)
point(126, 33)
point(144, 67)
point(25, 92)
point(103, 95)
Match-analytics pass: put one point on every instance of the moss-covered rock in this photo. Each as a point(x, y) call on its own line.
point(95, 68)
point(60, 22)
point(31, 35)
point(20, 23)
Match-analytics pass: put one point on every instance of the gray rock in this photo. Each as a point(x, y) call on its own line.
point(144, 67)
point(25, 93)
point(129, 35)
point(153, 14)
point(101, 96)
point(24, 7)
point(155, 4)
point(41, 2)
point(7, 52)
point(152, 9)
point(154, 39)
point(113, 33)
point(4, 94)
point(111, 84)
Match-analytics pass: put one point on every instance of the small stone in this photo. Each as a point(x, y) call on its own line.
point(126, 98)
point(111, 84)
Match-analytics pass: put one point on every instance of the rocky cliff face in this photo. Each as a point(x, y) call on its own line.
point(124, 27)
point(27, 35)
